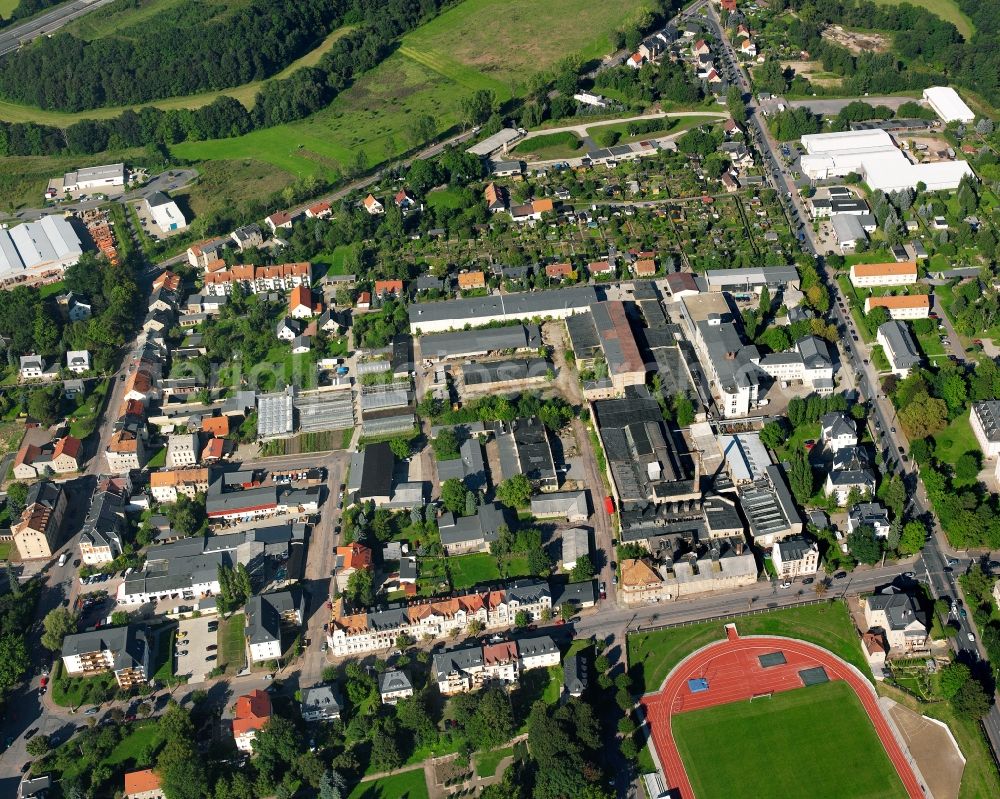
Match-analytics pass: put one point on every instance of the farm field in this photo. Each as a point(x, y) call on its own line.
point(535, 35)
point(948, 10)
point(245, 93)
point(7, 7)
point(816, 738)
point(652, 655)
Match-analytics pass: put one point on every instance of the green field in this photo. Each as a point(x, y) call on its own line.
point(445, 198)
point(144, 736)
point(955, 440)
point(469, 570)
point(652, 655)
point(818, 743)
point(669, 126)
point(532, 37)
point(7, 7)
point(948, 10)
point(408, 785)
point(232, 644)
point(565, 144)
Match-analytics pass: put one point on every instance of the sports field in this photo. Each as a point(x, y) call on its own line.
point(813, 743)
point(948, 10)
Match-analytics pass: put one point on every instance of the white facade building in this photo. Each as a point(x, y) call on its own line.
point(109, 176)
point(167, 216)
point(38, 251)
point(948, 105)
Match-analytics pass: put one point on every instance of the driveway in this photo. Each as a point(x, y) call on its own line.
point(196, 662)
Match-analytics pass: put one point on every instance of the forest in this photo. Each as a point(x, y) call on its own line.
point(170, 58)
point(305, 91)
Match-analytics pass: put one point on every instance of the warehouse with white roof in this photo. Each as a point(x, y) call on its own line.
point(948, 105)
point(37, 250)
point(874, 155)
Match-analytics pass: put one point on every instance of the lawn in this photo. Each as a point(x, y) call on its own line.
point(815, 739)
point(5, 547)
point(143, 737)
point(955, 440)
point(469, 570)
point(948, 10)
point(408, 785)
point(796, 441)
point(163, 666)
point(84, 419)
point(652, 655)
point(159, 459)
point(445, 198)
point(335, 261)
point(232, 644)
point(7, 7)
point(487, 762)
point(551, 145)
point(930, 344)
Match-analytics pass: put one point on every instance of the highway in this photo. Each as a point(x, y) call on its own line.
point(13, 37)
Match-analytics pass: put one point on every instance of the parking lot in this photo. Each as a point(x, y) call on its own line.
point(200, 646)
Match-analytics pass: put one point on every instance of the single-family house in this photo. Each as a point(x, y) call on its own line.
point(253, 711)
point(869, 514)
point(321, 703)
point(287, 329)
point(280, 220)
point(143, 784)
point(373, 206)
point(394, 685)
point(899, 617)
point(300, 303)
point(78, 361)
point(837, 431)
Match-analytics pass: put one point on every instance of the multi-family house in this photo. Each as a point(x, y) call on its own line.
point(265, 615)
point(123, 651)
point(166, 486)
point(104, 528)
point(795, 557)
point(394, 685)
point(321, 703)
point(36, 533)
point(253, 711)
point(900, 618)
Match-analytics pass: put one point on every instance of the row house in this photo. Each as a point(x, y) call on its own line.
point(374, 630)
point(258, 279)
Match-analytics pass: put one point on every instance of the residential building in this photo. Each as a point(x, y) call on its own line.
point(849, 232)
point(850, 471)
point(300, 303)
point(258, 279)
point(183, 450)
point(320, 210)
point(188, 568)
point(352, 557)
point(36, 533)
point(321, 703)
point(472, 533)
point(59, 457)
point(123, 651)
point(143, 784)
point(34, 787)
point(837, 430)
point(373, 206)
point(200, 256)
point(904, 306)
point(166, 486)
point(984, 419)
point(575, 675)
point(105, 526)
point(470, 281)
point(640, 582)
point(32, 367)
point(469, 668)
point(899, 347)
point(165, 213)
point(899, 617)
point(78, 361)
point(280, 220)
point(810, 363)
point(247, 236)
point(373, 630)
point(253, 711)
point(506, 169)
point(795, 557)
point(869, 514)
point(265, 614)
point(388, 288)
point(902, 273)
point(394, 685)
point(126, 451)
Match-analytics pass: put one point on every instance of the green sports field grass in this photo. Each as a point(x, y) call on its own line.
point(652, 655)
point(811, 743)
point(948, 10)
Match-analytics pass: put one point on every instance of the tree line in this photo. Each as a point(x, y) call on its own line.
point(305, 91)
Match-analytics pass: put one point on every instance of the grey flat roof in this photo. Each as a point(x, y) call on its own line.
point(848, 227)
point(512, 306)
point(756, 274)
point(469, 342)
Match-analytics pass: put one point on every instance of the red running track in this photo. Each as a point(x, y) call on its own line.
point(734, 674)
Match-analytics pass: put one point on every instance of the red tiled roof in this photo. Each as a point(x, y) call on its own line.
point(559, 270)
point(252, 712)
point(300, 295)
point(67, 445)
point(141, 781)
point(356, 556)
point(388, 287)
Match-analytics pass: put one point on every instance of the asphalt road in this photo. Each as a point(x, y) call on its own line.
point(12, 38)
